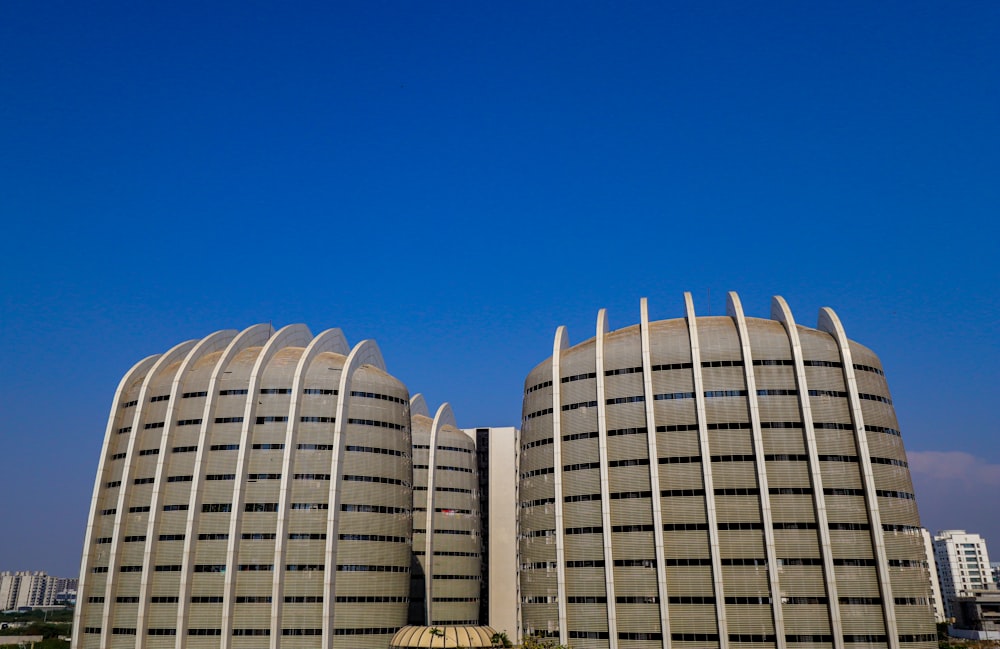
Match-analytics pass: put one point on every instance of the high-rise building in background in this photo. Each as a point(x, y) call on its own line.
point(34, 589)
point(718, 482)
point(963, 566)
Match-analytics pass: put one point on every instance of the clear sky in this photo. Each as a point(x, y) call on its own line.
point(457, 179)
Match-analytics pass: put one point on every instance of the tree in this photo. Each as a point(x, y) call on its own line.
point(538, 642)
point(437, 632)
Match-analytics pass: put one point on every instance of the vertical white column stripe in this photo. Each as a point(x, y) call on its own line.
point(442, 417)
point(560, 343)
point(602, 449)
point(114, 559)
point(654, 471)
point(137, 370)
point(706, 467)
point(292, 335)
point(429, 525)
point(212, 343)
point(331, 340)
point(365, 352)
point(781, 313)
point(830, 323)
point(253, 336)
point(734, 309)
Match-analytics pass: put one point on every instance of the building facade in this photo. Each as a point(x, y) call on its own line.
point(963, 566)
point(718, 482)
point(254, 490)
point(497, 450)
point(445, 582)
point(935, 582)
point(31, 589)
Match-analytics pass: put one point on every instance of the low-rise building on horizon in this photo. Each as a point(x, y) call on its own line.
point(26, 589)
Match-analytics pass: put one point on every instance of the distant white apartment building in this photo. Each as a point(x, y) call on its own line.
point(963, 566)
point(937, 602)
point(28, 589)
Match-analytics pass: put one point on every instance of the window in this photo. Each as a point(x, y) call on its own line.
point(261, 507)
point(375, 395)
point(210, 567)
point(376, 423)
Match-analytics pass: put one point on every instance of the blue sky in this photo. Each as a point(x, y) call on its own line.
point(455, 180)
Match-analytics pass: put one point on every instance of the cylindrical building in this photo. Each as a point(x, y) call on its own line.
point(254, 490)
point(446, 576)
point(718, 482)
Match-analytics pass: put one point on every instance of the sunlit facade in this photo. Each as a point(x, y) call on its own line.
point(254, 490)
point(718, 481)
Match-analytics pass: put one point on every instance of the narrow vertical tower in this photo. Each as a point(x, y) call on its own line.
point(445, 583)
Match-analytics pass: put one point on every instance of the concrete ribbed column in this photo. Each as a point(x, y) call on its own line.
point(178, 352)
point(137, 370)
point(654, 470)
point(254, 336)
point(331, 340)
point(706, 468)
point(781, 313)
point(602, 449)
point(830, 323)
point(560, 343)
point(734, 309)
point(364, 353)
point(292, 335)
point(213, 343)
